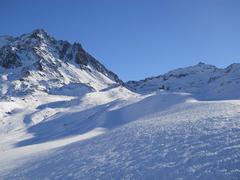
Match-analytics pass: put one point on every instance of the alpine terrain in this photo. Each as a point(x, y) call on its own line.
point(64, 115)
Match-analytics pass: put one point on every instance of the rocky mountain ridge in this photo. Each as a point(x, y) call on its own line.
point(37, 61)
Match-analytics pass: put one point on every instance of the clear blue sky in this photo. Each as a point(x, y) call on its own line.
point(135, 38)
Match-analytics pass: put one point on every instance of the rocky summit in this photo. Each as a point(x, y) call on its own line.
point(38, 62)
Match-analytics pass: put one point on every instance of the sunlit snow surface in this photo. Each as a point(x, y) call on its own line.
point(63, 115)
point(116, 134)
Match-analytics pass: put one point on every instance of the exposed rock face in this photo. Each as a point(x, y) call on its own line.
point(9, 58)
point(81, 57)
point(42, 62)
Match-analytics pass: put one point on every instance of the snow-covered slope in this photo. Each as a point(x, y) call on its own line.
point(202, 80)
point(38, 62)
point(63, 115)
point(156, 136)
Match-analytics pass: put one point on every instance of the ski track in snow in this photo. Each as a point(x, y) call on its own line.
point(158, 136)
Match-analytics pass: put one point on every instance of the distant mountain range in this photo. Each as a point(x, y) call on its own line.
point(38, 62)
point(202, 80)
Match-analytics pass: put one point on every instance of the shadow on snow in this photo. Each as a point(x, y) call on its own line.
point(66, 124)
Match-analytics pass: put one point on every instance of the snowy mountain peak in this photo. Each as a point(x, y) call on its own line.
point(198, 68)
point(205, 66)
point(235, 67)
point(37, 61)
point(38, 34)
point(202, 80)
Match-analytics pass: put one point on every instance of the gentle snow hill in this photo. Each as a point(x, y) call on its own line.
point(202, 80)
point(157, 136)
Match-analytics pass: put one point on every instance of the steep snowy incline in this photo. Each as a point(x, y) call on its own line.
point(160, 136)
point(36, 62)
point(202, 80)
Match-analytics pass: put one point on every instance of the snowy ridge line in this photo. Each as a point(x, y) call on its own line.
point(202, 80)
point(37, 62)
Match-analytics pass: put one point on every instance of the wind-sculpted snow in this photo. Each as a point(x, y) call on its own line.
point(158, 136)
